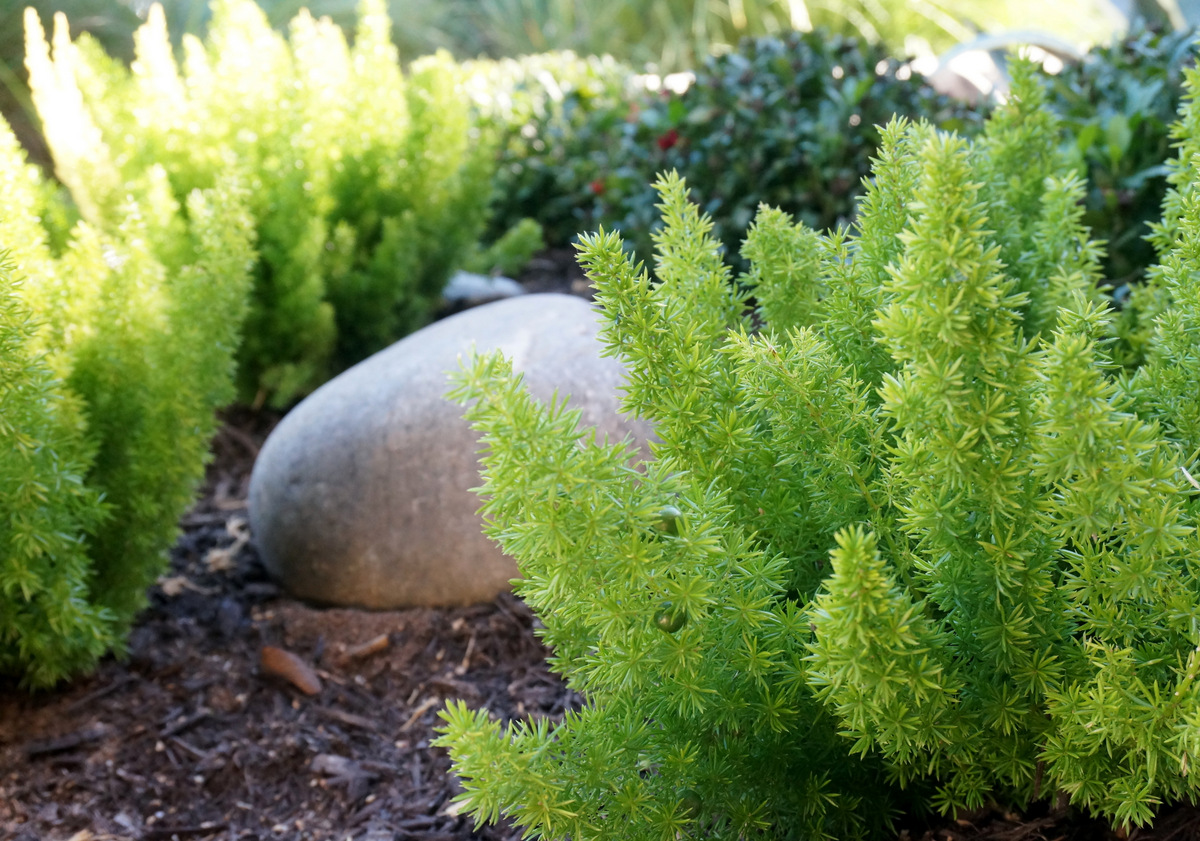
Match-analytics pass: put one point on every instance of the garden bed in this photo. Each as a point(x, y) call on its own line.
point(191, 737)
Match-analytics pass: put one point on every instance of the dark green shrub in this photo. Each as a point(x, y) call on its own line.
point(769, 123)
point(552, 115)
point(920, 524)
point(114, 356)
point(790, 121)
point(1117, 106)
point(366, 186)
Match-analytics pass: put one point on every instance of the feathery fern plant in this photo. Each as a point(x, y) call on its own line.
point(114, 356)
point(918, 537)
point(366, 186)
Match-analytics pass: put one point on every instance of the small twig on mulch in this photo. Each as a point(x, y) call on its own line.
point(168, 832)
point(65, 743)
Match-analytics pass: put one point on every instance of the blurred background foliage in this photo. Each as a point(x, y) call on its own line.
point(668, 35)
point(789, 121)
point(1117, 106)
point(581, 134)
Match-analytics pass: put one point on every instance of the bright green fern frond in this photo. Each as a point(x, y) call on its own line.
point(785, 270)
point(879, 661)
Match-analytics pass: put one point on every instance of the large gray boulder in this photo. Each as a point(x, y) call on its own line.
point(361, 496)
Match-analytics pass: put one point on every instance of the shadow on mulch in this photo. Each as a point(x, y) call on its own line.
point(190, 737)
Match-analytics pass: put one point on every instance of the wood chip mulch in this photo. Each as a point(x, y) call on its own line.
point(201, 733)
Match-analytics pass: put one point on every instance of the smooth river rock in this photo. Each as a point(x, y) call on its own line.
point(361, 496)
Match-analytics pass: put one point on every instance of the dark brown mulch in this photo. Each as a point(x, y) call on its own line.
point(556, 270)
point(190, 737)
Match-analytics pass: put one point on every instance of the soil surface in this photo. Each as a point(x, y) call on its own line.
point(239, 713)
point(197, 734)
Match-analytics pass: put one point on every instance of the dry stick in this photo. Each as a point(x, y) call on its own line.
point(1025, 830)
point(383, 769)
point(371, 646)
point(102, 692)
point(347, 718)
point(363, 814)
point(184, 723)
point(417, 823)
point(331, 677)
point(466, 660)
point(1188, 827)
point(130, 777)
point(63, 743)
point(417, 713)
point(192, 749)
point(168, 831)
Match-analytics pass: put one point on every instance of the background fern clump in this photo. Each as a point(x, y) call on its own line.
point(116, 348)
point(366, 186)
point(919, 531)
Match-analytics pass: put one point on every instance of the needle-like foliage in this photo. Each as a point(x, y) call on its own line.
point(919, 536)
point(366, 186)
point(115, 355)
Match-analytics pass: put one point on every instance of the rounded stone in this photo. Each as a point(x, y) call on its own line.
point(361, 495)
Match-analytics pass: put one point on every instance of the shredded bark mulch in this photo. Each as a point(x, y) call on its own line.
point(239, 714)
point(198, 734)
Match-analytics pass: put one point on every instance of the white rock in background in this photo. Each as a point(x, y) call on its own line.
point(361, 496)
point(465, 289)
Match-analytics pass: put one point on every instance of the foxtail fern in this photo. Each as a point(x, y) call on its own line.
point(919, 536)
point(366, 186)
point(115, 355)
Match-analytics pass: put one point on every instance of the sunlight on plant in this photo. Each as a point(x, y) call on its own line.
point(124, 337)
point(369, 184)
point(908, 536)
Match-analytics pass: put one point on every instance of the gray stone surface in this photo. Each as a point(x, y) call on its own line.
point(467, 289)
point(361, 496)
